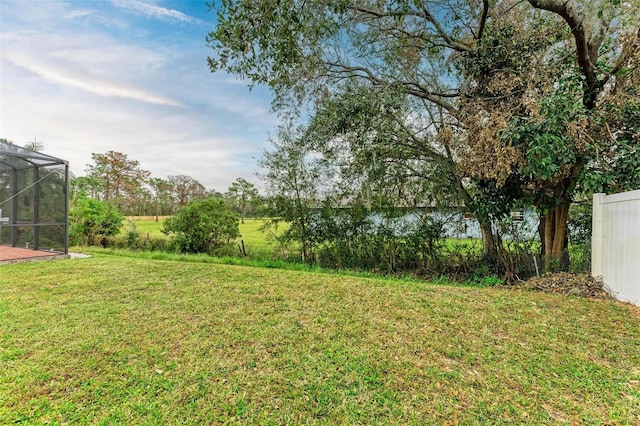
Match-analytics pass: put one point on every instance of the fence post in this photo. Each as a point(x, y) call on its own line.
point(597, 236)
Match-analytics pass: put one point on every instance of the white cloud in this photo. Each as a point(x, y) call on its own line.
point(157, 12)
point(79, 13)
point(84, 81)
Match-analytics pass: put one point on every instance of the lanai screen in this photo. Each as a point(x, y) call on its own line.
point(33, 199)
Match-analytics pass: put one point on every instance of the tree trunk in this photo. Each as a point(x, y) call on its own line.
point(541, 232)
point(489, 247)
point(555, 237)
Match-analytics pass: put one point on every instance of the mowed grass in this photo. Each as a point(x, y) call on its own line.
point(117, 340)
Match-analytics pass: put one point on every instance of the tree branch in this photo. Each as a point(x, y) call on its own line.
point(619, 64)
point(568, 12)
point(426, 15)
point(413, 89)
point(483, 18)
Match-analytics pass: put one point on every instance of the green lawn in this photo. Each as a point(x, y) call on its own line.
point(117, 340)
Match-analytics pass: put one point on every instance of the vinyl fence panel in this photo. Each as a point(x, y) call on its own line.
point(616, 244)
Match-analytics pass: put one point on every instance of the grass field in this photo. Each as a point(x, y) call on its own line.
point(195, 343)
point(250, 234)
point(150, 227)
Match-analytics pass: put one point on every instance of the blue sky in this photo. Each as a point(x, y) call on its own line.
point(86, 76)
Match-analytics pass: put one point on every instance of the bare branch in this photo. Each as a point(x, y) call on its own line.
point(426, 15)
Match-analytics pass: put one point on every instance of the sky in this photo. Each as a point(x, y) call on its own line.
point(90, 76)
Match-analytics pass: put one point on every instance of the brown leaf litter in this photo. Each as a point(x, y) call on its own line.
point(568, 284)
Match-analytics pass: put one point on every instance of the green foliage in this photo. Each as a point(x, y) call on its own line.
point(549, 150)
point(294, 180)
point(478, 279)
point(385, 241)
point(615, 166)
point(242, 195)
point(132, 234)
point(204, 226)
point(150, 243)
point(92, 221)
point(505, 47)
point(580, 223)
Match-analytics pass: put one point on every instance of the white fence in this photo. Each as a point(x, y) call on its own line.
point(616, 244)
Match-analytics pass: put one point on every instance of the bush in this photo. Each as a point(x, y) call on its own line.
point(132, 235)
point(206, 226)
point(384, 241)
point(579, 223)
point(141, 243)
point(91, 222)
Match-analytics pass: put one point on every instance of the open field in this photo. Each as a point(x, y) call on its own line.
point(195, 343)
point(253, 238)
point(150, 227)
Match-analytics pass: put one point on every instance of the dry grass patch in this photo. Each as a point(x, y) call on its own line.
point(121, 340)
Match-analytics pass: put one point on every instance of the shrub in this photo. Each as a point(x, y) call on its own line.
point(206, 226)
point(141, 243)
point(93, 221)
point(132, 235)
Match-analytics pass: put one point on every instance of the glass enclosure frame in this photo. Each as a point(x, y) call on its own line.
point(34, 200)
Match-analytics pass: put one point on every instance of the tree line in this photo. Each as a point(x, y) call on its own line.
point(121, 181)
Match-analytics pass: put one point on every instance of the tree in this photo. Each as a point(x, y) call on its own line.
point(473, 60)
point(203, 226)
point(214, 194)
point(186, 189)
point(82, 186)
point(606, 39)
point(311, 50)
point(118, 176)
point(550, 126)
point(242, 193)
point(383, 148)
point(35, 145)
point(161, 189)
point(293, 180)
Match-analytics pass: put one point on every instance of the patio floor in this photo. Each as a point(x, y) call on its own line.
point(15, 254)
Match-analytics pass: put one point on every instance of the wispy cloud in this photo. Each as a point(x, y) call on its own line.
point(153, 11)
point(89, 83)
point(77, 14)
